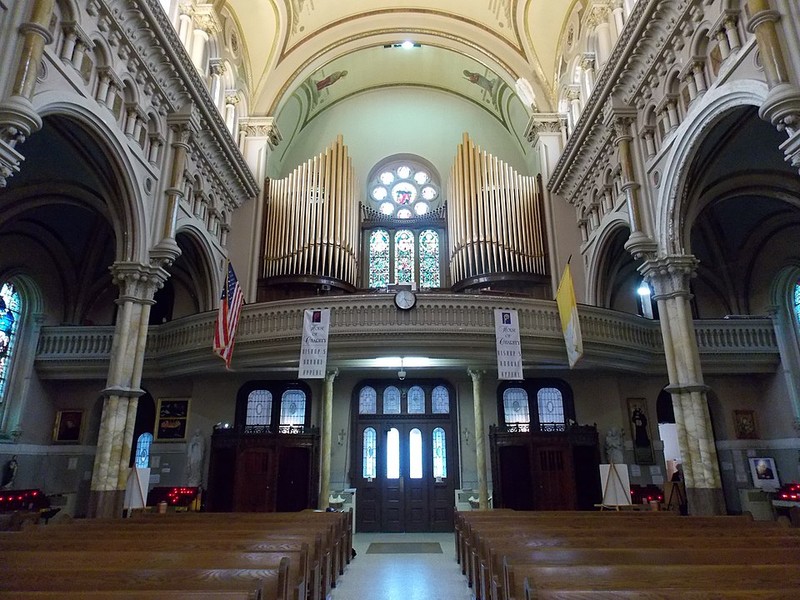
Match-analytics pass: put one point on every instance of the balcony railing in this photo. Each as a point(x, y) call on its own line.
point(453, 330)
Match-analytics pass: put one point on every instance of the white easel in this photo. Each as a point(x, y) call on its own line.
point(616, 487)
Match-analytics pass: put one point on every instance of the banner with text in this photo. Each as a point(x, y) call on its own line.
point(509, 350)
point(314, 347)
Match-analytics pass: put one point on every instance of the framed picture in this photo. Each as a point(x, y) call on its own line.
point(68, 426)
point(744, 424)
point(639, 420)
point(171, 419)
point(765, 475)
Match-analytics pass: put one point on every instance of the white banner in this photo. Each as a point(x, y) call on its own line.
point(509, 350)
point(314, 347)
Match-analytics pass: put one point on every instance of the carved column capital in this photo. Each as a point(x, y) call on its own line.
point(138, 282)
point(255, 127)
point(670, 275)
point(545, 123)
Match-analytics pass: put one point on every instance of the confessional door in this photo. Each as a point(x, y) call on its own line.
point(409, 490)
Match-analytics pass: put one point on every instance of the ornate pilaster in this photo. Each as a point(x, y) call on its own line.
point(18, 119)
point(782, 105)
point(138, 284)
point(619, 121)
point(480, 438)
point(669, 277)
point(325, 442)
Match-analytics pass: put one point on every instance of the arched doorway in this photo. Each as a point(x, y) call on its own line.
point(405, 459)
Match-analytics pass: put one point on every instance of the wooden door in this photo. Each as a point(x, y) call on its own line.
point(515, 479)
point(293, 491)
point(553, 478)
point(255, 480)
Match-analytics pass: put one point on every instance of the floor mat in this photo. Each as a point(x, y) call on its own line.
point(404, 548)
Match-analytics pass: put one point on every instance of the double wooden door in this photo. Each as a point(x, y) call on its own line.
point(405, 477)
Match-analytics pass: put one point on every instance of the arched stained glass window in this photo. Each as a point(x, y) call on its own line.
point(367, 401)
point(551, 405)
point(393, 454)
point(259, 408)
point(391, 401)
point(379, 258)
point(143, 450)
point(416, 401)
point(369, 469)
point(439, 453)
point(10, 308)
point(429, 259)
point(404, 256)
point(797, 300)
point(293, 408)
point(440, 400)
point(415, 454)
point(515, 407)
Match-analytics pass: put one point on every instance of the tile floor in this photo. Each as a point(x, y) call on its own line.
point(403, 576)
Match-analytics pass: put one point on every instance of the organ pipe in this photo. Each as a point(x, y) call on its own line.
point(312, 221)
point(495, 220)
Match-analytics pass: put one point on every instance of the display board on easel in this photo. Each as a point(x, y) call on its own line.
point(136, 489)
point(616, 486)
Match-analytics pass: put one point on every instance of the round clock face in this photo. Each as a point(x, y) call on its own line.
point(405, 299)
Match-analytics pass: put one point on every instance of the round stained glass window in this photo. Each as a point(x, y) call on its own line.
point(421, 177)
point(386, 177)
point(387, 208)
point(403, 172)
point(429, 193)
point(404, 193)
point(379, 193)
point(421, 208)
point(403, 213)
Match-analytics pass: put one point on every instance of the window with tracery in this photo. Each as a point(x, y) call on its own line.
point(379, 258)
point(404, 256)
point(367, 401)
point(516, 408)
point(416, 401)
point(429, 272)
point(391, 401)
point(369, 459)
point(10, 309)
point(440, 400)
point(439, 453)
point(273, 406)
point(797, 300)
point(551, 406)
point(293, 408)
point(259, 407)
point(143, 450)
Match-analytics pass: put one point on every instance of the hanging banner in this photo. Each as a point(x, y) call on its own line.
point(509, 350)
point(568, 312)
point(314, 346)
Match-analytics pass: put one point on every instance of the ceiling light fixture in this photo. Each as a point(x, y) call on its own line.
point(407, 45)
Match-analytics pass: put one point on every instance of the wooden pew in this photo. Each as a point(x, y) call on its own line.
point(129, 595)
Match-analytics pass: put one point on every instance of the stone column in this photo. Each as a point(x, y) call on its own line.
point(231, 100)
point(670, 277)
point(783, 322)
point(325, 442)
point(480, 438)
point(620, 121)
point(782, 105)
point(217, 70)
point(588, 68)
point(18, 119)
point(138, 284)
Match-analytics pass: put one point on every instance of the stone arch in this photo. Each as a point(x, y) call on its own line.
point(688, 138)
point(196, 248)
point(600, 262)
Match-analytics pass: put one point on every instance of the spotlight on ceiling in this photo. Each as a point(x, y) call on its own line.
point(407, 45)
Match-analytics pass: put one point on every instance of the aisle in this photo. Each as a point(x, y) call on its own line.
point(403, 576)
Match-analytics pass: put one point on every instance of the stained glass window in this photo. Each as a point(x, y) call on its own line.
point(429, 259)
point(797, 300)
point(379, 258)
point(515, 406)
point(391, 401)
point(369, 467)
point(416, 401)
point(143, 450)
point(10, 307)
point(415, 454)
point(393, 454)
point(440, 400)
point(439, 453)
point(367, 401)
point(259, 408)
point(404, 256)
point(551, 405)
point(293, 407)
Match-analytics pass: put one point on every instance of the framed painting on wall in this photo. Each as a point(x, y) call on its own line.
point(171, 419)
point(744, 424)
point(68, 426)
point(764, 472)
point(639, 420)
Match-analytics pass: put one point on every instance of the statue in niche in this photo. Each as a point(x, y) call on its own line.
point(9, 473)
point(614, 445)
point(195, 450)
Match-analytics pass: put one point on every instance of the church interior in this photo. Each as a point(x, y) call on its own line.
point(400, 174)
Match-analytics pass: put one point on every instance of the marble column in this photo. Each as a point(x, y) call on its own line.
point(18, 119)
point(325, 442)
point(669, 276)
point(138, 284)
point(782, 104)
point(480, 439)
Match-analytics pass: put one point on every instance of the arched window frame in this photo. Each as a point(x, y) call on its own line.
point(532, 387)
point(278, 389)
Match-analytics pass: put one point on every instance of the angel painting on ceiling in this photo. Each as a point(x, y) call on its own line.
point(483, 82)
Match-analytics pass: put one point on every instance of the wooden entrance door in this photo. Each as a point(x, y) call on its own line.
point(553, 478)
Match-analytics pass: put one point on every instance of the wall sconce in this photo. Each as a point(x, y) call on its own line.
point(340, 437)
point(466, 434)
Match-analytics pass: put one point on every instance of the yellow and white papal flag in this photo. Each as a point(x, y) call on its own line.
point(568, 311)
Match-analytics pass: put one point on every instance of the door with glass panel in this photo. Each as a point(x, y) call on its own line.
point(405, 461)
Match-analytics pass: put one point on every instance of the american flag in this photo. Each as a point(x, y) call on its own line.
point(230, 305)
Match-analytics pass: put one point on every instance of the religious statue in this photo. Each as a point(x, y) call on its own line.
point(195, 450)
point(9, 473)
point(614, 445)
